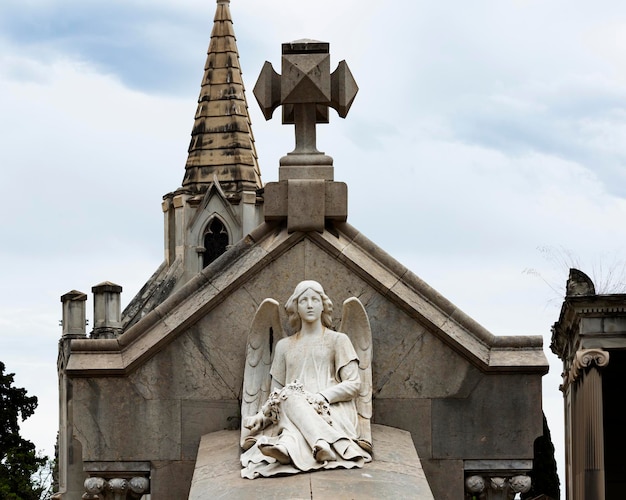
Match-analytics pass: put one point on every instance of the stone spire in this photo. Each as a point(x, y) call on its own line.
point(222, 144)
point(219, 202)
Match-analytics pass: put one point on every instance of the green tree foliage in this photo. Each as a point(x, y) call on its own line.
point(19, 461)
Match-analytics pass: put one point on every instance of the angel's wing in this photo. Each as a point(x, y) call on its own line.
point(265, 331)
point(356, 324)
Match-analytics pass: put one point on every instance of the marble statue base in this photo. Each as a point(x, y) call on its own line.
point(395, 472)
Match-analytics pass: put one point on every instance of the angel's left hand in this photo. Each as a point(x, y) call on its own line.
point(319, 399)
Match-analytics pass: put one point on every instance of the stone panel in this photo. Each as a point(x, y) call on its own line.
point(445, 478)
point(156, 379)
point(171, 480)
point(219, 341)
point(114, 423)
point(501, 419)
point(206, 361)
point(218, 470)
point(614, 324)
point(278, 278)
point(307, 261)
point(424, 368)
point(395, 472)
point(591, 325)
point(407, 357)
point(202, 417)
point(412, 415)
point(338, 281)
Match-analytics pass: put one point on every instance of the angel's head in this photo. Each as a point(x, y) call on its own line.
point(292, 304)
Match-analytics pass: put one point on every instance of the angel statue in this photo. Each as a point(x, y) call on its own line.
point(317, 414)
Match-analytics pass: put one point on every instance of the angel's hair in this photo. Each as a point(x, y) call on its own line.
point(292, 304)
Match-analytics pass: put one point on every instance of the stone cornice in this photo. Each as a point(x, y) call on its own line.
point(565, 332)
point(489, 353)
point(596, 304)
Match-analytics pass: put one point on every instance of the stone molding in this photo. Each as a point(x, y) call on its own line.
point(584, 358)
point(603, 310)
point(485, 487)
point(568, 331)
point(113, 357)
point(118, 488)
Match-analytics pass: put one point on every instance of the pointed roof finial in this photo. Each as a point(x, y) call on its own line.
point(222, 144)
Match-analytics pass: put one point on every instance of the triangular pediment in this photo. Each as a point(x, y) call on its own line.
point(306, 256)
point(214, 201)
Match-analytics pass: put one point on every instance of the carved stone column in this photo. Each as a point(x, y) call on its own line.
point(484, 487)
point(586, 420)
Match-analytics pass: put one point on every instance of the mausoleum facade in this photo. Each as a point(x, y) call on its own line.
point(141, 391)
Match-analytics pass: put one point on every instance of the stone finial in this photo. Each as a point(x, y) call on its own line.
point(306, 195)
point(107, 309)
point(306, 90)
point(74, 317)
point(579, 283)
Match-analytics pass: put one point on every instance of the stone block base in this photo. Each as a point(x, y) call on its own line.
point(395, 472)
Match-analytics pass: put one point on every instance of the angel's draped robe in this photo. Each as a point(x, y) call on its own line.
point(327, 365)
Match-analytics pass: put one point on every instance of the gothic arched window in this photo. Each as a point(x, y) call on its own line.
point(215, 241)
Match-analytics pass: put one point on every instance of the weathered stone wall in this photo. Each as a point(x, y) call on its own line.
point(191, 387)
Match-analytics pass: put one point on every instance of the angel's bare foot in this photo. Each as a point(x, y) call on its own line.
point(277, 451)
point(352, 452)
point(323, 452)
point(366, 445)
point(248, 443)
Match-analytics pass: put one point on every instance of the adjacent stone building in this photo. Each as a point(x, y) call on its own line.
point(590, 339)
point(140, 391)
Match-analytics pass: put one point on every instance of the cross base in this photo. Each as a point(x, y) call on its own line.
point(306, 159)
point(306, 203)
point(305, 172)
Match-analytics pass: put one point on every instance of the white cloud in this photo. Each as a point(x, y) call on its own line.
point(481, 132)
point(77, 144)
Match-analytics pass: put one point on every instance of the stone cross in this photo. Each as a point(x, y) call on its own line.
point(305, 91)
point(306, 194)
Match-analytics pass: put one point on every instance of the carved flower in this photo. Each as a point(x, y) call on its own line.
point(520, 484)
point(475, 484)
point(94, 484)
point(498, 483)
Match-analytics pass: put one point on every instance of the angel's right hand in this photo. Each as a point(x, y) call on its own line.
point(254, 423)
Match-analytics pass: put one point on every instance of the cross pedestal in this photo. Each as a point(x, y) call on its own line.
point(306, 194)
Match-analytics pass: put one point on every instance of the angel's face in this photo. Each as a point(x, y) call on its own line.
point(310, 306)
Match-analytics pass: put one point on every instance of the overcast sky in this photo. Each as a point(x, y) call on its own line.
point(485, 149)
